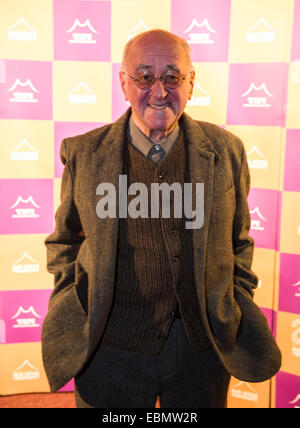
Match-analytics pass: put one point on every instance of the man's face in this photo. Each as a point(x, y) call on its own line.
point(158, 108)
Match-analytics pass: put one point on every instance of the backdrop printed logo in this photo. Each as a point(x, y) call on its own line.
point(205, 26)
point(26, 206)
point(260, 32)
point(82, 30)
point(26, 92)
point(21, 30)
point(256, 94)
point(23, 313)
point(263, 204)
point(25, 264)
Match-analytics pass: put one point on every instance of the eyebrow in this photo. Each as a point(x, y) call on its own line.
point(171, 66)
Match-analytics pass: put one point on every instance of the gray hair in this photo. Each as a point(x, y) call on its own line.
point(181, 41)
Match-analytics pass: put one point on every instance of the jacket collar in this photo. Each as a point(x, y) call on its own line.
point(115, 139)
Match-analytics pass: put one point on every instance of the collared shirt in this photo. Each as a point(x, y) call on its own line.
point(153, 151)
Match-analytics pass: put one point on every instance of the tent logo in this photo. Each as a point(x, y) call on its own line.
point(257, 219)
point(22, 95)
point(256, 160)
point(25, 264)
point(139, 28)
point(24, 151)
point(28, 321)
point(82, 94)
point(261, 32)
point(82, 37)
point(244, 391)
point(204, 36)
point(25, 212)
point(21, 30)
point(257, 100)
point(26, 371)
point(200, 97)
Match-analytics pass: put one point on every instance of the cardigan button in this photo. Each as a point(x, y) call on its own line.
point(171, 232)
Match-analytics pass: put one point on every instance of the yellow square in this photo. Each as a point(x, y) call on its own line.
point(264, 149)
point(23, 262)
point(293, 111)
point(288, 339)
point(263, 266)
point(261, 31)
point(82, 91)
point(28, 151)
point(290, 223)
point(24, 370)
point(26, 30)
point(246, 395)
point(209, 100)
point(141, 15)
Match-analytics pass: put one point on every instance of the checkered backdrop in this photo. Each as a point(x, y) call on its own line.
point(59, 77)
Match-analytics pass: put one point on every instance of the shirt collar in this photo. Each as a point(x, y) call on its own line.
point(143, 144)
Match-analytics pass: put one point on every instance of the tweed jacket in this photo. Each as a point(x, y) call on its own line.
point(82, 252)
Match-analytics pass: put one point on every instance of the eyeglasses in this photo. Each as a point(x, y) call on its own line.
point(170, 79)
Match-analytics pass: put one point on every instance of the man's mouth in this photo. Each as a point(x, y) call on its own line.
point(159, 106)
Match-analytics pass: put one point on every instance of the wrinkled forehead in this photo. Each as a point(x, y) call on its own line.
point(157, 55)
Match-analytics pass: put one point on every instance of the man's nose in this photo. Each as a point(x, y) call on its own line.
point(158, 89)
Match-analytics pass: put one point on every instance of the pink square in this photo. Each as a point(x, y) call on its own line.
point(264, 206)
point(296, 32)
point(287, 391)
point(26, 90)
point(82, 30)
point(292, 161)
point(119, 105)
point(270, 315)
point(68, 387)
point(22, 315)
point(68, 129)
point(205, 25)
point(257, 94)
point(26, 206)
point(289, 283)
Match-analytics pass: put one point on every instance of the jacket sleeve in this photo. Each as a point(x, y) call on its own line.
point(64, 243)
point(64, 336)
point(243, 244)
point(62, 249)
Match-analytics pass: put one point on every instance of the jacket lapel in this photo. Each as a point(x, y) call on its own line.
point(106, 165)
point(201, 157)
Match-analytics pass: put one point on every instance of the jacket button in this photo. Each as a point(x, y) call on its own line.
point(171, 232)
point(161, 175)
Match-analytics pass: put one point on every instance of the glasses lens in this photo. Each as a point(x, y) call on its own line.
point(145, 81)
point(171, 80)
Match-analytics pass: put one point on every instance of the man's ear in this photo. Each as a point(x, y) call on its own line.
point(123, 84)
point(191, 82)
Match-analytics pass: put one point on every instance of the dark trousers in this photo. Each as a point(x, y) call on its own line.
point(183, 378)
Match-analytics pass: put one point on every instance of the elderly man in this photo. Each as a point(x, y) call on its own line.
point(144, 306)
